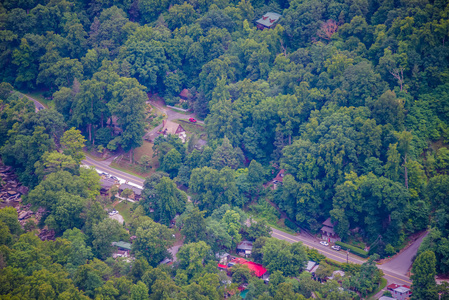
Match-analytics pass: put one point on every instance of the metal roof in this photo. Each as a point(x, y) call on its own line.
point(123, 245)
point(269, 19)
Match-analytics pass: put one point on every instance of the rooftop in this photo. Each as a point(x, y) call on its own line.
point(328, 223)
point(268, 19)
point(258, 269)
point(122, 244)
point(245, 245)
point(402, 290)
point(107, 183)
point(135, 189)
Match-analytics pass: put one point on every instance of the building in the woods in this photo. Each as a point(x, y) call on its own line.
point(106, 185)
point(278, 180)
point(255, 268)
point(136, 192)
point(169, 127)
point(122, 249)
point(244, 248)
point(268, 21)
point(328, 233)
point(185, 95)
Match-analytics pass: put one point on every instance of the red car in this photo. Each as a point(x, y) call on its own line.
point(192, 120)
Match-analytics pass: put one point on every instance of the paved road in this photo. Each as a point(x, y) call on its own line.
point(104, 167)
point(37, 104)
point(401, 263)
point(340, 256)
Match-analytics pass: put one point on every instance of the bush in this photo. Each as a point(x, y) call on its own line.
point(290, 224)
point(354, 250)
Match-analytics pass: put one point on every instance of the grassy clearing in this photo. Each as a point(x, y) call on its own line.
point(124, 208)
point(38, 95)
point(195, 128)
point(145, 149)
point(129, 169)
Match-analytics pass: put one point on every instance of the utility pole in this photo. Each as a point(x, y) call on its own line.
point(347, 256)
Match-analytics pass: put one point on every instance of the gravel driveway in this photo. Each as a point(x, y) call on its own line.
point(117, 217)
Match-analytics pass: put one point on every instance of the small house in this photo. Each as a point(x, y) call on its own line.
point(106, 185)
point(269, 20)
point(169, 127)
point(310, 266)
point(401, 293)
point(244, 248)
point(136, 192)
point(278, 180)
point(328, 233)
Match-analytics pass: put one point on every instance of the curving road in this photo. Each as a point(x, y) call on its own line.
point(341, 256)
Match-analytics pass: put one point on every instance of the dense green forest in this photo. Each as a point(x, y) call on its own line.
point(350, 97)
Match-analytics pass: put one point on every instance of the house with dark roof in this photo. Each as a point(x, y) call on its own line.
point(328, 233)
point(106, 185)
point(269, 20)
point(137, 192)
point(169, 127)
point(244, 248)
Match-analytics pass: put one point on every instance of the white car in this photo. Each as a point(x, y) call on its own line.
point(324, 243)
point(335, 247)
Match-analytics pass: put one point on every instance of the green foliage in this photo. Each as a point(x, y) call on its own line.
point(354, 250)
point(424, 285)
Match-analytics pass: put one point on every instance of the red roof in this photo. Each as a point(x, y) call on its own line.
point(280, 176)
point(258, 269)
point(394, 286)
point(184, 93)
point(221, 266)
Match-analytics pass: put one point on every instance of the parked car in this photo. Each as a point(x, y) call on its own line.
point(193, 120)
point(324, 243)
point(335, 247)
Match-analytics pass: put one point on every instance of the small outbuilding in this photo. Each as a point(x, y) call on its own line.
point(269, 20)
point(244, 248)
point(137, 192)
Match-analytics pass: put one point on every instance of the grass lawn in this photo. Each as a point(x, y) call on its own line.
point(129, 169)
point(145, 149)
point(39, 97)
point(135, 169)
point(124, 209)
point(273, 224)
point(196, 128)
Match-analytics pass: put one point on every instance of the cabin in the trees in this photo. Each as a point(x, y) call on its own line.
point(185, 95)
point(137, 192)
point(278, 179)
point(328, 233)
point(268, 21)
point(169, 127)
point(106, 185)
point(244, 248)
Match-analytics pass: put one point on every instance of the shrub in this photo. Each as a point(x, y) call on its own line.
point(290, 224)
point(354, 250)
